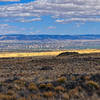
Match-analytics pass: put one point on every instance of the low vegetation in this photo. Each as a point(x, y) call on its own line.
point(69, 90)
point(50, 78)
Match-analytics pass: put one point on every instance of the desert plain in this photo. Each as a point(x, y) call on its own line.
point(50, 76)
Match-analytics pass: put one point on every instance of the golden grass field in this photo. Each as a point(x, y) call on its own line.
point(51, 53)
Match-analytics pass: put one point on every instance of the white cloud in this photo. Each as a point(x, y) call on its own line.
point(59, 21)
point(62, 10)
point(11, 29)
point(79, 24)
point(29, 20)
point(51, 27)
point(5, 29)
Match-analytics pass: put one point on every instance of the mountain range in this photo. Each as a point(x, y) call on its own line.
point(46, 37)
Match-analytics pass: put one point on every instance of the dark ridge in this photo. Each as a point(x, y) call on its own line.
point(67, 53)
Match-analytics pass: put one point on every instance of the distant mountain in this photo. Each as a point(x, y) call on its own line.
point(45, 37)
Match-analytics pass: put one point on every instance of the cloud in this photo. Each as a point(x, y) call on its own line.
point(12, 29)
point(15, 29)
point(79, 24)
point(60, 20)
point(51, 27)
point(63, 11)
point(29, 20)
point(5, 29)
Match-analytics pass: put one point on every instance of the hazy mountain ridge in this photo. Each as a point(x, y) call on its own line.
point(21, 42)
point(44, 37)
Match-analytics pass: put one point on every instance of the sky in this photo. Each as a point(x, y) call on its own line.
point(61, 17)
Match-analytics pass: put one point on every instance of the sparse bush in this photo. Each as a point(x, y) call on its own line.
point(73, 78)
point(65, 96)
point(61, 79)
point(32, 87)
point(17, 87)
point(20, 83)
point(42, 86)
point(34, 97)
point(59, 89)
point(7, 97)
point(93, 84)
point(10, 92)
point(87, 77)
point(73, 92)
point(48, 94)
point(22, 98)
point(50, 86)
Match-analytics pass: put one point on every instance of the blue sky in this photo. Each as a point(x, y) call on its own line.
point(13, 2)
point(50, 17)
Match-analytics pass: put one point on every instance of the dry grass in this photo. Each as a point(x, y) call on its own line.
point(59, 89)
point(48, 94)
point(41, 86)
point(6, 97)
point(94, 84)
point(50, 86)
point(32, 87)
point(52, 53)
point(61, 79)
point(65, 96)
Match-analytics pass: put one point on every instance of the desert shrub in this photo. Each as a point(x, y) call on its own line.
point(17, 87)
point(32, 87)
point(30, 97)
point(65, 96)
point(21, 98)
point(20, 82)
point(74, 92)
point(7, 97)
point(87, 77)
point(10, 92)
point(73, 78)
point(49, 86)
point(42, 86)
point(59, 89)
point(34, 97)
point(46, 87)
point(61, 79)
point(93, 84)
point(48, 94)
